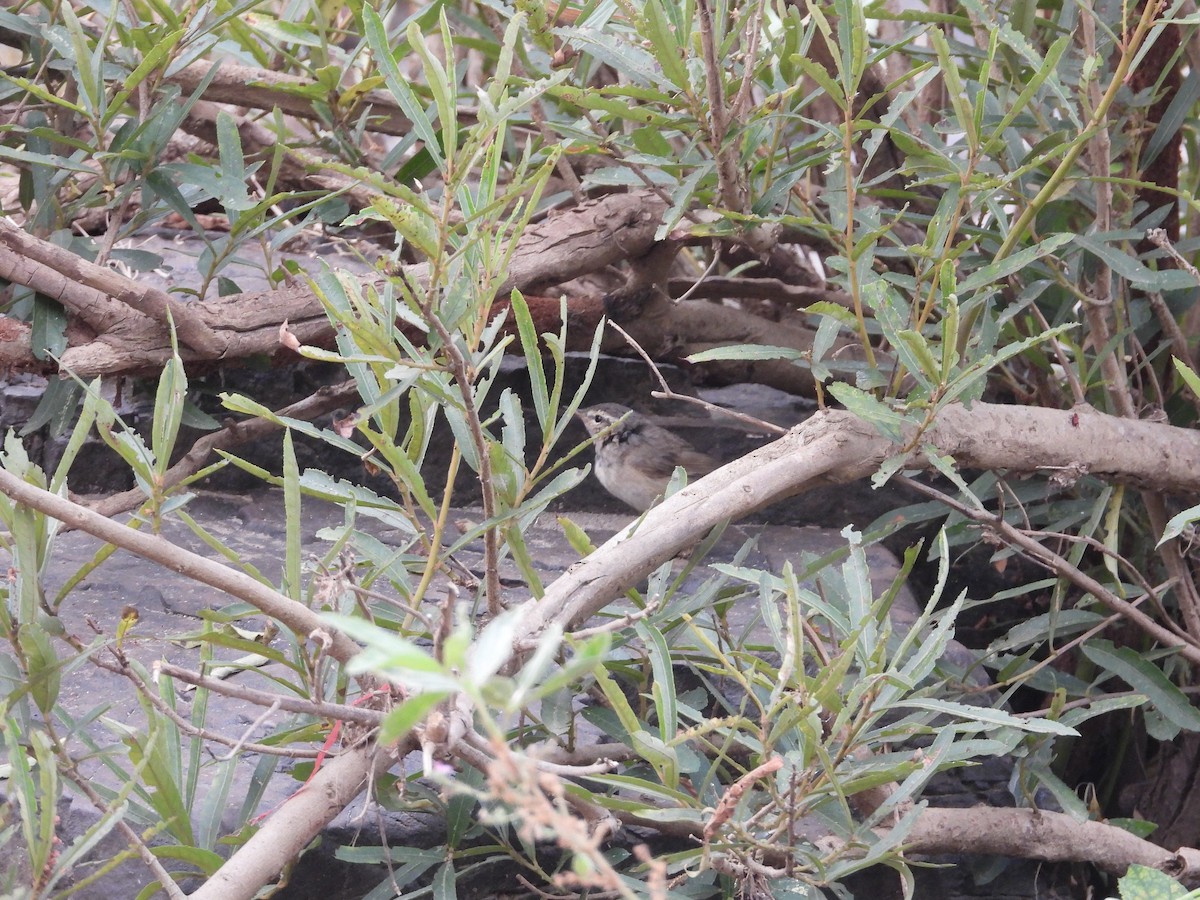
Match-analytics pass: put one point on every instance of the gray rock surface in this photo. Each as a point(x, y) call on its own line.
point(253, 527)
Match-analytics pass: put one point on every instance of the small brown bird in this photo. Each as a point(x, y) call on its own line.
point(635, 457)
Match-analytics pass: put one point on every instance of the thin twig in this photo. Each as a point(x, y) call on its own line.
point(742, 101)
point(302, 620)
point(1068, 370)
point(1057, 653)
point(1159, 238)
point(667, 394)
point(616, 624)
point(709, 269)
point(486, 748)
point(122, 668)
point(369, 717)
point(241, 742)
point(728, 175)
point(491, 534)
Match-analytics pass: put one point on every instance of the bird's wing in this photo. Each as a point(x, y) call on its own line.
point(678, 452)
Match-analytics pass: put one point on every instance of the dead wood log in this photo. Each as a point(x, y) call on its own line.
point(121, 340)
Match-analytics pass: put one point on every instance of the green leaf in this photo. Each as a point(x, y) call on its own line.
point(1190, 377)
point(233, 194)
point(1010, 265)
point(293, 585)
point(1138, 827)
point(1178, 523)
point(618, 702)
point(917, 356)
point(1179, 111)
point(820, 75)
point(955, 90)
point(156, 54)
point(664, 44)
point(160, 183)
point(533, 357)
point(1147, 678)
point(49, 328)
point(1145, 883)
point(381, 48)
point(663, 685)
point(440, 83)
point(987, 717)
point(1030, 88)
point(148, 750)
point(205, 861)
point(746, 351)
point(45, 679)
point(1132, 269)
point(404, 718)
point(56, 408)
point(168, 411)
point(445, 883)
point(887, 421)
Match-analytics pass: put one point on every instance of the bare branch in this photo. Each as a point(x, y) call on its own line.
point(290, 829)
point(302, 620)
point(837, 447)
point(147, 300)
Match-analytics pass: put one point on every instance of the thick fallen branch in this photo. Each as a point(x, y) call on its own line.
point(698, 325)
point(120, 339)
point(837, 447)
point(1048, 836)
point(292, 827)
point(296, 616)
point(1016, 833)
point(721, 288)
point(589, 237)
point(84, 289)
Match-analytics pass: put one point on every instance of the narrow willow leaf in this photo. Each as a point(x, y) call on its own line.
point(533, 357)
point(168, 411)
point(1147, 678)
point(48, 336)
point(665, 45)
point(292, 585)
point(1178, 523)
point(1031, 87)
point(45, 678)
point(746, 351)
point(405, 717)
point(818, 73)
point(955, 89)
point(987, 717)
point(381, 49)
point(663, 686)
point(887, 421)
point(997, 271)
point(441, 83)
